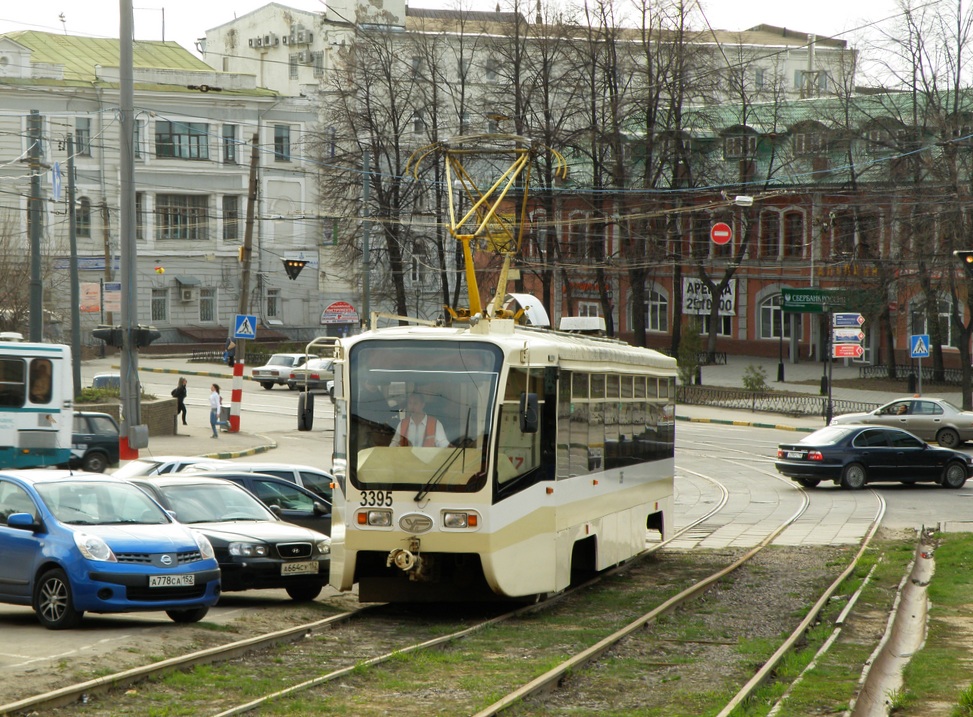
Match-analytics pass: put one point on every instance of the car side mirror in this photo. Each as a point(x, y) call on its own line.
point(23, 521)
point(321, 508)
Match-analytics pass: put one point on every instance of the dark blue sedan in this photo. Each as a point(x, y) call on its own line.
point(852, 456)
point(72, 543)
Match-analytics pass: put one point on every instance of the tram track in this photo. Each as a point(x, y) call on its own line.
point(358, 665)
point(85, 692)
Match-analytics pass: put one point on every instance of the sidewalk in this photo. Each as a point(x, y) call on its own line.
point(196, 438)
point(803, 377)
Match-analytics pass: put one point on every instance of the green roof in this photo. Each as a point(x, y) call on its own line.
point(80, 55)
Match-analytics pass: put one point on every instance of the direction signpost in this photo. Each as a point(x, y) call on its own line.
point(846, 342)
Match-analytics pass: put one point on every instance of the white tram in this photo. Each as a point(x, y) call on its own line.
point(558, 460)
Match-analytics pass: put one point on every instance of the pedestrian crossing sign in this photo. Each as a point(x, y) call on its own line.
point(919, 346)
point(245, 327)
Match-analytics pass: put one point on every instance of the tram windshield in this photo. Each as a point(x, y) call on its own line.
point(420, 414)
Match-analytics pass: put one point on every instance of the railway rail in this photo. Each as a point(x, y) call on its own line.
point(373, 625)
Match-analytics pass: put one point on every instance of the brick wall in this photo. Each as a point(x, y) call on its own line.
point(158, 415)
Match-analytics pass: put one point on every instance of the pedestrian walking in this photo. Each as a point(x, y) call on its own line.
point(179, 393)
point(216, 410)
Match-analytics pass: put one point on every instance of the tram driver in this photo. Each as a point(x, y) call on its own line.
point(418, 428)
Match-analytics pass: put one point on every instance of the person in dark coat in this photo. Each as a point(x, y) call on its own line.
point(179, 393)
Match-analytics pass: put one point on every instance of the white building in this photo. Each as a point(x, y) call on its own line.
point(194, 128)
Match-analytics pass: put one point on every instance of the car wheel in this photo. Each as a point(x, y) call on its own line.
point(948, 438)
point(853, 476)
point(303, 593)
point(809, 482)
point(267, 384)
point(53, 602)
point(954, 475)
point(305, 411)
point(331, 394)
point(292, 386)
point(187, 616)
point(95, 462)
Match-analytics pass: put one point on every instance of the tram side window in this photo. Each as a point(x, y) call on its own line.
point(12, 384)
point(518, 452)
point(564, 427)
point(41, 373)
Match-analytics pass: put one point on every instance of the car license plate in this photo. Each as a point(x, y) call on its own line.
point(171, 581)
point(305, 568)
point(795, 454)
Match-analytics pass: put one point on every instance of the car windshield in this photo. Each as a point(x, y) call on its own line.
point(213, 503)
point(392, 445)
point(831, 434)
point(92, 503)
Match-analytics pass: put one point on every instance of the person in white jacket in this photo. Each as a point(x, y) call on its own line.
point(215, 409)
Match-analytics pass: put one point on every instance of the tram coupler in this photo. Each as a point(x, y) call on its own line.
point(405, 559)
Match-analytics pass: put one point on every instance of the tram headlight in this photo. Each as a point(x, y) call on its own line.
point(375, 518)
point(460, 519)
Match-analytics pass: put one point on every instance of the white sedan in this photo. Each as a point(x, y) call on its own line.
point(932, 419)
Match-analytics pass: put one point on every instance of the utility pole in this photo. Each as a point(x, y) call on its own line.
point(246, 252)
point(236, 397)
point(133, 435)
point(36, 287)
point(75, 285)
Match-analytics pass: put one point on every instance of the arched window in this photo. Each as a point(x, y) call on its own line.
point(657, 312)
point(794, 235)
point(773, 321)
point(920, 320)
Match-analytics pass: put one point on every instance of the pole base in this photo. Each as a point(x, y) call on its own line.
point(124, 452)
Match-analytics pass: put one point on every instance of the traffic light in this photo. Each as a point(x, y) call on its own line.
point(293, 267)
point(111, 335)
point(965, 256)
point(145, 335)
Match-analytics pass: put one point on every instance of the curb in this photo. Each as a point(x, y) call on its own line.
point(227, 455)
point(749, 424)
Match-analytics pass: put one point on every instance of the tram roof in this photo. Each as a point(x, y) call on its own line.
point(583, 351)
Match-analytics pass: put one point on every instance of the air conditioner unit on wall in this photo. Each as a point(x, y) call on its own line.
point(187, 294)
point(302, 57)
point(258, 42)
point(285, 39)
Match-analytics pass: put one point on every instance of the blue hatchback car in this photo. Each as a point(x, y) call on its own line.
point(72, 543)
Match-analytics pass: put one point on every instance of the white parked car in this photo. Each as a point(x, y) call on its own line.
point(278, 369)
point(160, 465)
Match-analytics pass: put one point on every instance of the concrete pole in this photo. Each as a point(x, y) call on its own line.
point(75, 285)
point(36, 305)
point(131, 438)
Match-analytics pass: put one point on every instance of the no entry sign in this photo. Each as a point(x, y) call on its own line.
point(721, 233)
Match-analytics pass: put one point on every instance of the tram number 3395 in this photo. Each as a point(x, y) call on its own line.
point(373, 498)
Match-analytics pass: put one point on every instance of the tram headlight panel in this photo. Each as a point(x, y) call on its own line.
point(375, 518)
point(459, 519)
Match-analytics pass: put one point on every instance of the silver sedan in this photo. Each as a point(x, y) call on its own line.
point(932, 419)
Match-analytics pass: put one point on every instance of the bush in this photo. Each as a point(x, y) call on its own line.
point(755, 379)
